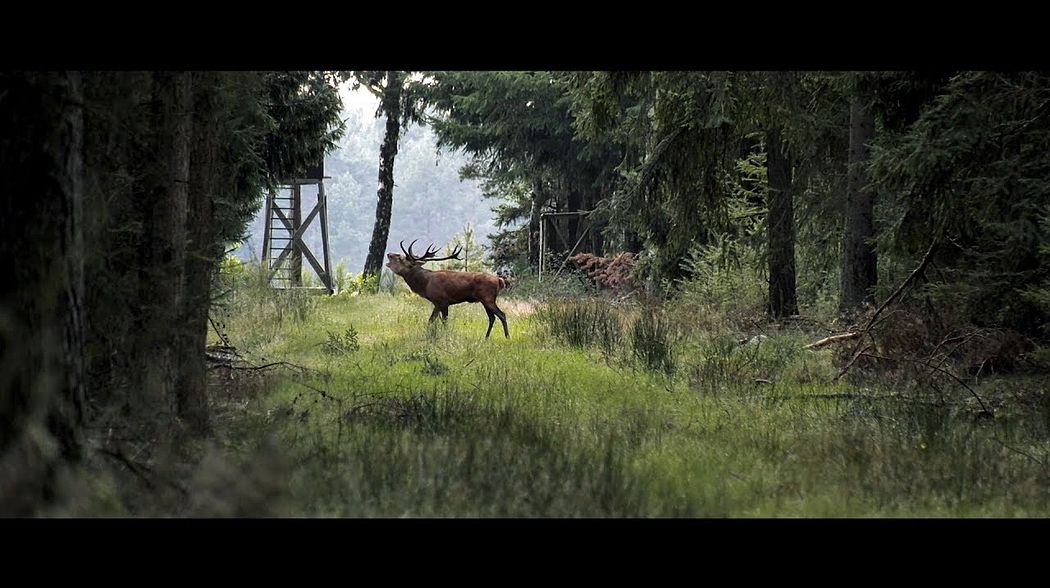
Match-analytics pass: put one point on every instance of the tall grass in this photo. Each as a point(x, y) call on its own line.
point(591, 323)
point(451, 453)
point(653, 339)
point(526, 284)
point(643, 332)
point(393, 417)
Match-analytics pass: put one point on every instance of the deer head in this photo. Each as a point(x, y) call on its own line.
point(403, 264)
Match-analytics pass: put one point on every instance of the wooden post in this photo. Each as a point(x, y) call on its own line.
point(295, 264)
point(322, 201)
point(266, 231)
point(543, 249)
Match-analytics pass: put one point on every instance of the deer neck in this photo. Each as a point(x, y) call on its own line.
point(417, 279)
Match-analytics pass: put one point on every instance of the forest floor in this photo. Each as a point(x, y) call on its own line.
point(353, 406)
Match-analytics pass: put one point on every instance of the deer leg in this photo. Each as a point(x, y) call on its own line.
point(492, 319)
point(434, 314)
point(502, 319)
point(495, 312)
point(444, 315)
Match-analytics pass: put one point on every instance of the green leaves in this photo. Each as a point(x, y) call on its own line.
point(304, 110)
point(974, 167)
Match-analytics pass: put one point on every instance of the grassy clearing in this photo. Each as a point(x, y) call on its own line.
point(596, 410)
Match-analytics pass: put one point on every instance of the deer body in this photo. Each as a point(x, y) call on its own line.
point(445, 288)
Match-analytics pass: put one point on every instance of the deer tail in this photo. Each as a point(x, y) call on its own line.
point(502, 284)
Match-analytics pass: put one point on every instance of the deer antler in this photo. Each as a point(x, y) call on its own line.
point(455, 255)
point(429, 255)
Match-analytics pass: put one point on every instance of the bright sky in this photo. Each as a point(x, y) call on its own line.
point(360, 103)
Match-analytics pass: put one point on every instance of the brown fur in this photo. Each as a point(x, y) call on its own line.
point(444, 288)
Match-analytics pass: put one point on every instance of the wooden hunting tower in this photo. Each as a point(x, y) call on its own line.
point(283, 243)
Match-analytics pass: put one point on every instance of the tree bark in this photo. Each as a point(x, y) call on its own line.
point(391, 106)
point(162, 271)
point(202, 255)
point(113, 157)
point(575, 203)
point(632, 241)
point(859, 261)
point(41, 295)
point(780, 228)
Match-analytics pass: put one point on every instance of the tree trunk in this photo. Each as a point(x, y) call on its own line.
point(632, 241)
point(162, 271)
point(575, 202)
point(597, 239)
point(202, 255)
point(781, 229)
point(113, 156)
point(859, 262)
point(392, 108)
point(41, 295)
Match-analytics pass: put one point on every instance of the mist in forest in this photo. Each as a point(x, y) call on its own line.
point(431, 203)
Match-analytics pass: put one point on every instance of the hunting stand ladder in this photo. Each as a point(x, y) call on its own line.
point(283, 243)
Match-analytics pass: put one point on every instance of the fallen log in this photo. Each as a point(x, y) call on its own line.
point(832, 339)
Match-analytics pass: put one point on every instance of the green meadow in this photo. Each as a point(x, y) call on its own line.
point(354, 406)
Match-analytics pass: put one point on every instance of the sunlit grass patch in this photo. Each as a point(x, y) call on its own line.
point(594, 409)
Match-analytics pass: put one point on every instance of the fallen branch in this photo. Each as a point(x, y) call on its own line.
point(222, 336)
point(832, 339)
point(918, 271)
point(984, 408)
point(142, 472)
point(353, 410)
point(900, 289)
point(222, 353)
point(324, 393)
point(261, 367)
point(1018, 451)
point(851, 362)
point(852, 396)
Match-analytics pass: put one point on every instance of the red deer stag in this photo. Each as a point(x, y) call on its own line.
point(443, 288)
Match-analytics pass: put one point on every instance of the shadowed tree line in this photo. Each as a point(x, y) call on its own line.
point(123, 190)
point(840, 181)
